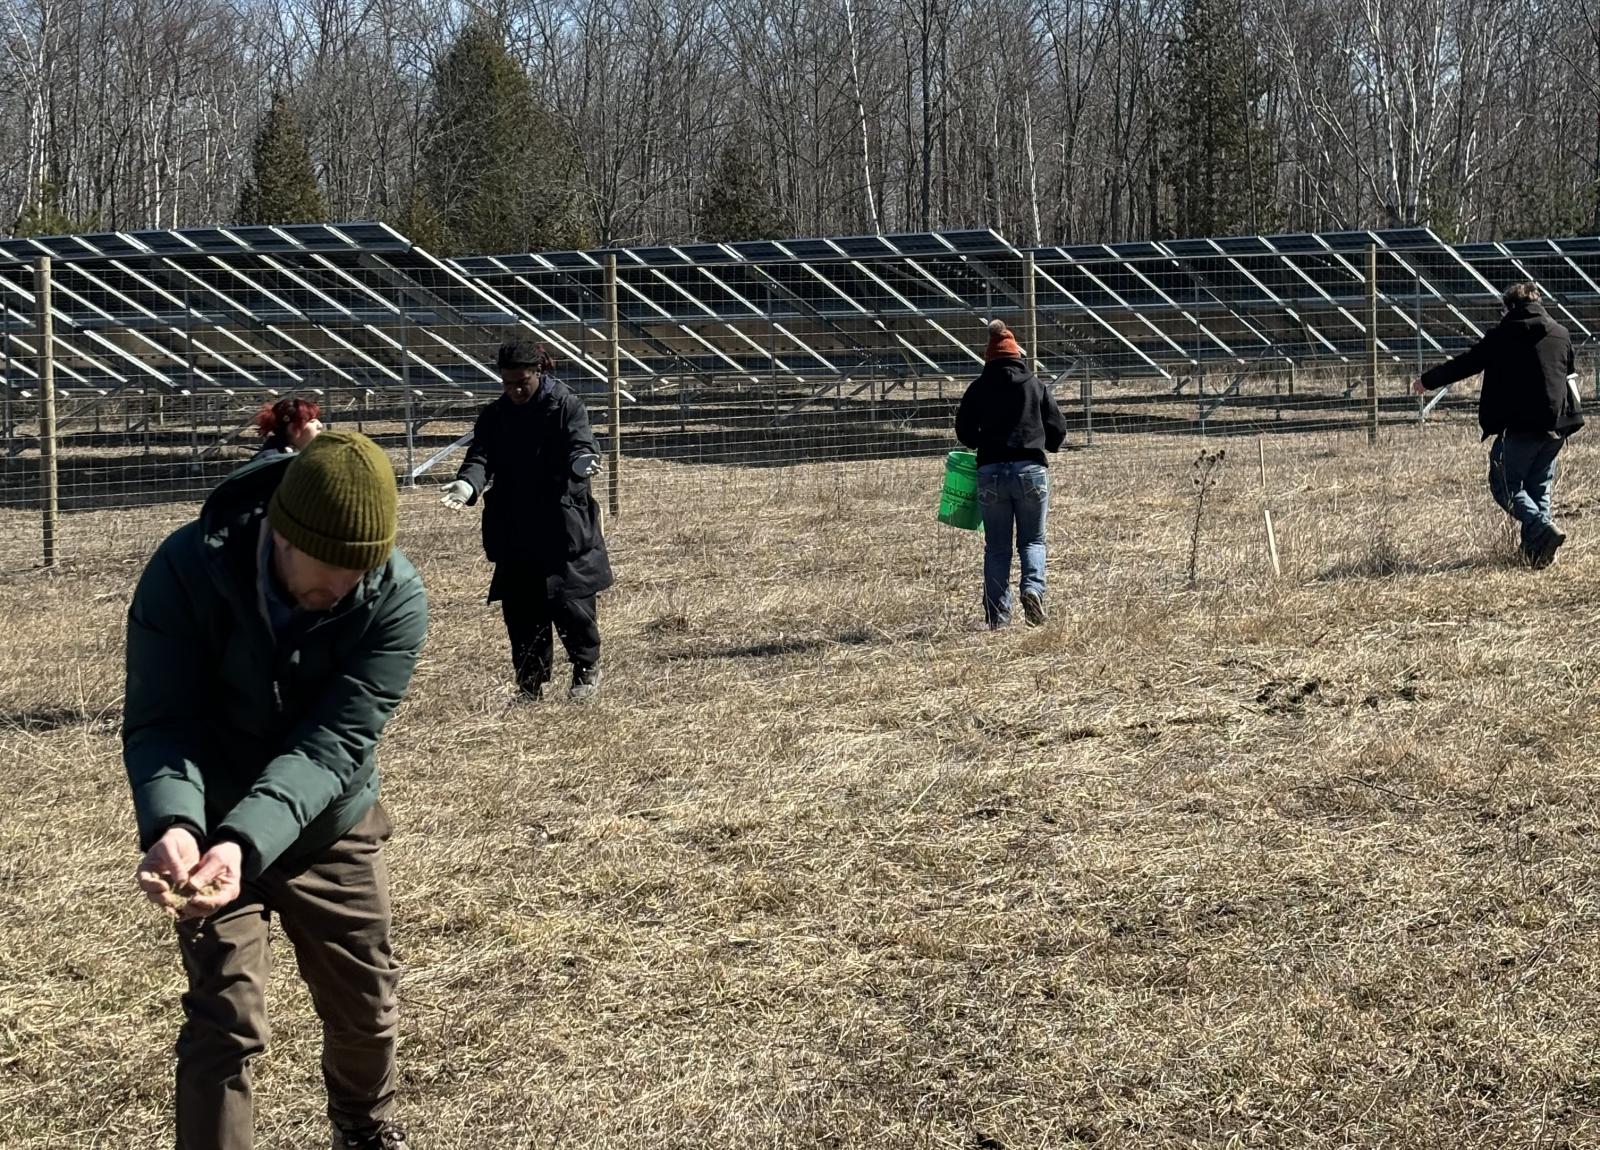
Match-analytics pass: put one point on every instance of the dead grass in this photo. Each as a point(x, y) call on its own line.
point(1299, 863)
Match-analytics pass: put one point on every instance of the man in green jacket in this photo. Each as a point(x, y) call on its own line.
point(269, 641)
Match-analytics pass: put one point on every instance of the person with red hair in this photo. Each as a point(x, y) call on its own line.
point(288, 425)
point(1010, 418)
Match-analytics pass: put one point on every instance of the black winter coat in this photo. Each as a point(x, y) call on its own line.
point(1008, 416)
point(539, 520)
point(1525, 360)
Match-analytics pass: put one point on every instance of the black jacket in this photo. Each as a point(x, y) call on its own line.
point(1525, 360)
point(1008, 416)
point(538, 518)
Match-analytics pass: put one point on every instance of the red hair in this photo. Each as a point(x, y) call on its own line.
point(280, 420)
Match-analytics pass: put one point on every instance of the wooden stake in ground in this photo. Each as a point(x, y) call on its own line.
point(1261, 446)
point(47, 413)
point(1372, 342)
point(1272, 543)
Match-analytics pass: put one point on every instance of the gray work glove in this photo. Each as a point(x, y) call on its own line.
point(457, 494)
point(586, 466)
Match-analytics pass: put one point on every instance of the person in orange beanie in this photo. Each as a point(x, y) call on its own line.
point(1011, 420)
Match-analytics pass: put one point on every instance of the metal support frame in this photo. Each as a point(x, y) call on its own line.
point(172, 313)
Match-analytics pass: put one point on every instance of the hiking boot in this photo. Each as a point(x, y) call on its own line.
point(1033, 608)
point(384, 1136)
point(1544, 554)
point(585, 682)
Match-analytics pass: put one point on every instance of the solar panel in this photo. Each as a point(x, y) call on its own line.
point(660, 256)
point(1348, 241)
point(66, 247)
point(371, 236)
point(264, 239)
point(866, 247)
point(299, 301)
point(919, 244)
point(705, 253)
point(811, 249)
point(1297, 243)
point(1244, 245)
point(571, 260)
point(166, 243)
point(759, 251)
point(113, 244)
point(1408, 238)
point(214, 240)
point(21, 251)
point(978, 242)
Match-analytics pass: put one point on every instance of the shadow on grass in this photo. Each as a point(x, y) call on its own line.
point(45, 719)
point(1386, 565)
point(774, 648)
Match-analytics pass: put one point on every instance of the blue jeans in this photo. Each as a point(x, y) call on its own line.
point(1012, 497)
point(1522, 476)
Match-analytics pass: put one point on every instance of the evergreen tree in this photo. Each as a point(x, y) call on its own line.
point(1219, 168)
point(735, 203)
point(46, 215)
point(499, 174)
point(281, 187)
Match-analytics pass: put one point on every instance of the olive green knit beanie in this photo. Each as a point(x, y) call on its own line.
point(336, 502)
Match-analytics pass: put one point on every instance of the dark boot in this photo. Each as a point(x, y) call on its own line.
point(1542, 553)
point(384, 1136)
point(585, 682)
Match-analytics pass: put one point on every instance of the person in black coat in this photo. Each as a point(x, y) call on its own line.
point(1010, 419)
point(1529, 405)
point(531, 458)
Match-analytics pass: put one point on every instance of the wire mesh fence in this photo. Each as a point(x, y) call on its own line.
point(728, 361)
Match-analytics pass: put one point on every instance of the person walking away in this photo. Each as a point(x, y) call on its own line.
point(269, 641)
point(531, 459)
point(1011, 420)
point(1528, 404)
point(288, 425)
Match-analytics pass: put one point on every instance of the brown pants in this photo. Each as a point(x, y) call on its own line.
point(335, 913)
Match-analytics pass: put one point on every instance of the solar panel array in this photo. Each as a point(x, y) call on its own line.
point(358, 306)
point(254, 308)
point(911, 306)
point(167, 343)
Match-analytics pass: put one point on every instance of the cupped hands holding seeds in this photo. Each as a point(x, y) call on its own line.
point(176, 877)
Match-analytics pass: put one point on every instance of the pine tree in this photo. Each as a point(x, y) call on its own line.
point(735, 203)
point(45, 214)
point(499, 174)
point(281, 187)
point(1219, 169)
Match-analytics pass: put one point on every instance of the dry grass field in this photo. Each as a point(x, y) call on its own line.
point(1301, 862)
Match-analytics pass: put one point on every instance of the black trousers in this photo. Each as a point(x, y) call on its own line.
point(530, 613)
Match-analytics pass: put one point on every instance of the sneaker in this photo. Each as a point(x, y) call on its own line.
point(1033, 608)
point(585, 682)
point(384, 1136)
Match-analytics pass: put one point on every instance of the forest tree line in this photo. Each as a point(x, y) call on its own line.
point(523, 125)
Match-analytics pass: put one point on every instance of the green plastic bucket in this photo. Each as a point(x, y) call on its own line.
point(958, 502)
